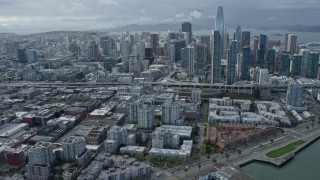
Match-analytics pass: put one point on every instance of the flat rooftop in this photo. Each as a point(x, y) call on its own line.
point(179, 130)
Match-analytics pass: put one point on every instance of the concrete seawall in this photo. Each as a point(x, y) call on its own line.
point(283, 159)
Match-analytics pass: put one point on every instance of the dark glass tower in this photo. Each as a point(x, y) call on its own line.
point(313, 63)
point(216, 58)
point(232, 61)
point(270, 60)
point(238, 37)
point(245, 37)
point(187, 28)
point(262, 50)
point(285, 65)
point(296, 65)
point(246, 55)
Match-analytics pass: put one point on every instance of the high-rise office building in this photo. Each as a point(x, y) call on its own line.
point(254, 47)
point(116, 136)
point(154, 42)
point(245, 39)
point(68, 39)
point(263, 76)
point(184, 57)
point(178, 45)
point(285, 65)
point(41, 154)
point(262, 50)
point(220, 26)
point(107, 44)
point(196, 95)
point(93, 51)
point(313, 64)
point(41, 157)
point(171, 113)
point(187, 28)
point(165, 138)
point(305, 58)
point(291, 43)
point(20, 55)
point(270, 60)
point(294, 95)
point(73, 147)
point(134, 64)
point(125, 48)
point(286, 39)
point(190, 55)
point(172, 53)
point(216, 58)
point(232, 60)
point(132, 107)
point(200, 60)
point(238, 37)
point(226, 41)
point(146, 116)
point(245, 60)
point(171, 36)
point(296, 64)
point(141, 50)
point(32, 56)
point(239, 66)
point(205, 39)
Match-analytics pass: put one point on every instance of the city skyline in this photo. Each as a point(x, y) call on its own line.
point(168, 103)
point(30, 16)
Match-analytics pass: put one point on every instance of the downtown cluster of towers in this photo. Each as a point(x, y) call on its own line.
point(242, 52)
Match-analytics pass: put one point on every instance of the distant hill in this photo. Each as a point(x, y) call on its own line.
point(156, 27)
point(295, 28)
point(8, 34)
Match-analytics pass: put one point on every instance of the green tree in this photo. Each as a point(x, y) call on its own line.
point(239, 151)
point(199, 166)
point(271, 141)
point(227, 156)
point(214, 160)
point(208, 157)
point(307, 127)
point(157, 122)
point(186, 170)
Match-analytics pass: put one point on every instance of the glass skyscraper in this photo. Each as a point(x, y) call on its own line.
point(245, 37)
point(296, 65)
point(238, 37)
point(285, 65)
point(190, 56)
point(262, 50)
point(305, 57)
point(232, 60)
point(200, 60)
point(216, 57)
point(219, 26)
point(313, 63)
point(187, 28)
point(270, 60)
point(246, 54)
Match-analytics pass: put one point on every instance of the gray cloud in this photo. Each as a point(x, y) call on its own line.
point(38, 15)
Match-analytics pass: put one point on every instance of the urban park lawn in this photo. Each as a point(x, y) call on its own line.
point(284, 150)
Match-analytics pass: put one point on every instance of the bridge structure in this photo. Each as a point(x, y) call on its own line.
point(241, 88)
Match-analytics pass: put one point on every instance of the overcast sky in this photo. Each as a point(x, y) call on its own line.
point(47, 15)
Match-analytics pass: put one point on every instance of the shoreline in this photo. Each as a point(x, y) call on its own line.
point(283, 159)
